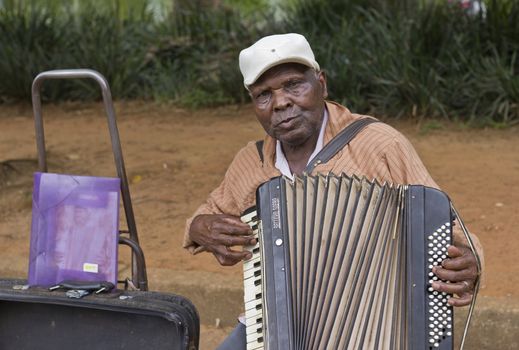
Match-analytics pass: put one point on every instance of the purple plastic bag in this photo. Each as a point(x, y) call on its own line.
point(74, 231)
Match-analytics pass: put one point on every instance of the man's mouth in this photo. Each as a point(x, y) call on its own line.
point(286, 121)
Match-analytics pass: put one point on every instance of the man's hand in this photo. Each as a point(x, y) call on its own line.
point(460, 269)
point(218, 233)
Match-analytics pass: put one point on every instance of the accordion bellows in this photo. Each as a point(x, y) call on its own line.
point(345, 263)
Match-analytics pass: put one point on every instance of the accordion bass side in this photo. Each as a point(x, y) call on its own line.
point(346, 263)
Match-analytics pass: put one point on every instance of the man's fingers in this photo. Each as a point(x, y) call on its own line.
point(452, 288)
point(453, 275)
point(216, 233)
point(230, 227)
point(229, 241)
point(463, 300)
point(228, 257)
point(459, 259)
point(454, 252)
point(234, 220)
point(461, 292)
point(457, 264)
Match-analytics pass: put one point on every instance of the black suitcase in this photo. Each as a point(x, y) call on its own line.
point(36, 318)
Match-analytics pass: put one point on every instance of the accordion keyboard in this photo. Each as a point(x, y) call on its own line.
point(253, 288)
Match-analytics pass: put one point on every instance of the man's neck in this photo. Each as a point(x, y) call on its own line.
point(293, 160)
point(298, 156)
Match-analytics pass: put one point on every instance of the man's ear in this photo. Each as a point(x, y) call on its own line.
point(322, 80)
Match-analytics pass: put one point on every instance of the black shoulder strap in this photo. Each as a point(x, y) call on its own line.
point(338, 142)
point(259, 146)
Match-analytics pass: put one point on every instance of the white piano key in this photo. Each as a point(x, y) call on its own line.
point(253, 321)
point(248, 264)
point(253, 304)
point(253, 263)
point(252, 283)
point(254, 312)
point(255, 329)
point(251, 273)
point(255, 345)
point(250, 294)
point(249, 217)
point(255, 256)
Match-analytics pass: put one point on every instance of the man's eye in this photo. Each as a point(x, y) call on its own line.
point(263, 96)
point(293, 85)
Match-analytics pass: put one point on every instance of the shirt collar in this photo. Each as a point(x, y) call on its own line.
point(281, 161)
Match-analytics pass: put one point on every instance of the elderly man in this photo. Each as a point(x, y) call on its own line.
point(288, 92)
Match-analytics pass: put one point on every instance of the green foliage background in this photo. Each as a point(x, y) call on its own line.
point(393, 58)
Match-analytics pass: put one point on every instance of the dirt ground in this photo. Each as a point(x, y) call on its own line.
point(174, 157)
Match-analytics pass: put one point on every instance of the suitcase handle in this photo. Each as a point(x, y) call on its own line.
point(139, 275)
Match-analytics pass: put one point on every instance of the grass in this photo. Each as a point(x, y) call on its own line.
point(411, 59)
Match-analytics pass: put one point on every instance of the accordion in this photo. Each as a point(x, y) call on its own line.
point(346, 263)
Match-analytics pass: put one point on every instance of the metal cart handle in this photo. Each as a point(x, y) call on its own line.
point(138, 265)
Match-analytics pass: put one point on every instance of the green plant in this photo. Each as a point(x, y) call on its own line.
point(411, 58)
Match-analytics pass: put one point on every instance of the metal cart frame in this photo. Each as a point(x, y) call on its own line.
point(127, 237)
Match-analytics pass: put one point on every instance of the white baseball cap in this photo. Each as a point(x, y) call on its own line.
point(273, 50)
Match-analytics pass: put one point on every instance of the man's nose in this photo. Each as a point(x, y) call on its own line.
point(280, 99)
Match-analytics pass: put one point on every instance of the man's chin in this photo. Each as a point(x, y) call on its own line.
point(293, 139)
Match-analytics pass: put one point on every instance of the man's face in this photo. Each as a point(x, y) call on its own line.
point(288, 100)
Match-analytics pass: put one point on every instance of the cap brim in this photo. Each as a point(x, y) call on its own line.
point(260, 72)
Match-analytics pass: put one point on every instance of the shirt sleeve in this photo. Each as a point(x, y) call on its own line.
point(228, 197)
point(404, 164)
point(220, 201)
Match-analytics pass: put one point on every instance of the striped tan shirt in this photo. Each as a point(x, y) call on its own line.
point(377, 152)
